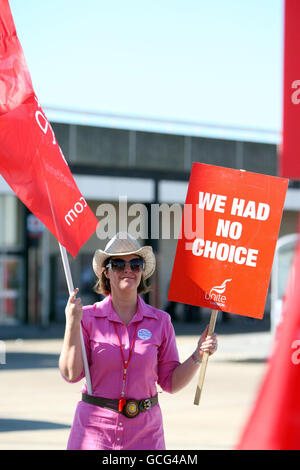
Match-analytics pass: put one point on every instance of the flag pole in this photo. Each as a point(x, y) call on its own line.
point(69, 280)
point(211, 328)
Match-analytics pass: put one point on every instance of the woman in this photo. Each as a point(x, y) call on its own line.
point(130, 346)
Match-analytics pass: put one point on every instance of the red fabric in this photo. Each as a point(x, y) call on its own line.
point(31, 161)
point(289, 162)
point(275, 420)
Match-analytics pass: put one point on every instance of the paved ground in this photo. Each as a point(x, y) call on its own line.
point(37, 406)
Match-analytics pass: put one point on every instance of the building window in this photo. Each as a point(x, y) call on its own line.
point(11, 275)
point(10, 219)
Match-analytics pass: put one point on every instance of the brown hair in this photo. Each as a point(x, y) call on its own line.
point(102, 285)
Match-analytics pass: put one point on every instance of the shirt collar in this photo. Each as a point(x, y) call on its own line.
point(105, 309)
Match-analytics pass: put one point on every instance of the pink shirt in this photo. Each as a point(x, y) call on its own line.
point(153, 360)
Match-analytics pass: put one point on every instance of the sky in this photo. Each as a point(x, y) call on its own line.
point(216, 63)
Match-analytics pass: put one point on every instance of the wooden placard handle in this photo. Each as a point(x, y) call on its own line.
point(211, 328)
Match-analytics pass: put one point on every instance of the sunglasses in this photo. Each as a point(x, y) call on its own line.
point(118, 264)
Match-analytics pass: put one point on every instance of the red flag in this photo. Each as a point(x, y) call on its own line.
point(289, 162)
point(31, 161)
point(274, 423)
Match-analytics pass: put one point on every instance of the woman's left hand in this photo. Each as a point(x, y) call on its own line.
point(206, 344)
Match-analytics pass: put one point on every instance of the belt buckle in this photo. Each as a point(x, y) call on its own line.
point(131, 409)
point(147, 404)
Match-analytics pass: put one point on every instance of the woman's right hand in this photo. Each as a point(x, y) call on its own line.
point(73, 309)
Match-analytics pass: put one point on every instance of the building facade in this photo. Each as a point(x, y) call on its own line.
point(133, 179)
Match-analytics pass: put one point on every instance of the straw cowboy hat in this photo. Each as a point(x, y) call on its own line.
point(124, 244)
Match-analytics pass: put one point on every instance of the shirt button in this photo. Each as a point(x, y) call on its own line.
point(121, 424)
point(118, 438)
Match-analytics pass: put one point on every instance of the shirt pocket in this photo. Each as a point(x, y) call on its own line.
point(103, 348)
point(146, 354)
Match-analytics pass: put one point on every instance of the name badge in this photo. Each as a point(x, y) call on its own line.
point(144, 334)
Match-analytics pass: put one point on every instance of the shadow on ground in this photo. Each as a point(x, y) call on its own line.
point(227, 323)
point(24, 360)
point(10, 425)
point(250, 360)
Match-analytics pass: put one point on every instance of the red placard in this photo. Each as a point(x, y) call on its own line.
point(289, 155)
point(227, 264)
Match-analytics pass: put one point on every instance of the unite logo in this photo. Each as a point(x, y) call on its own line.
point(216, 294)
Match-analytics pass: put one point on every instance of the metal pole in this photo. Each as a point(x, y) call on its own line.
point(45, 278)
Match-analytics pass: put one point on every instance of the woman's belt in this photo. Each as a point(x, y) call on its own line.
point(130, 408)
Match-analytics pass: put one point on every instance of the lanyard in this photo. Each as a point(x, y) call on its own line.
point(122, 400)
